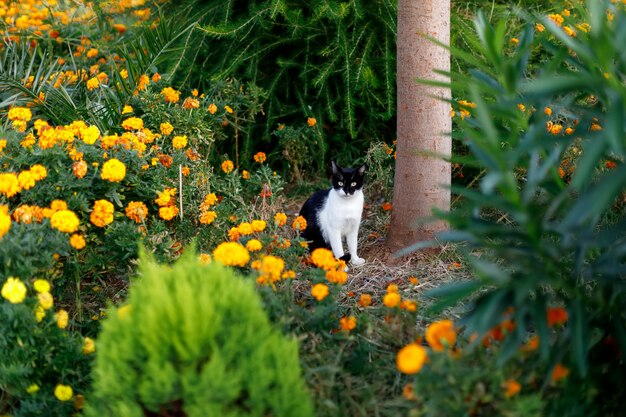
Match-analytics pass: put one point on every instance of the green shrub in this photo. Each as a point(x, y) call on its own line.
point(195, 340)
point(544, 228)
point(37, 356)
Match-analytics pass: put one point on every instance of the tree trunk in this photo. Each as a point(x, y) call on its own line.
point(422, 177)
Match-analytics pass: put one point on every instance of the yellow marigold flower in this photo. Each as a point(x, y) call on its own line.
point(323, 258)
point(191, 103)
point(210, 200)
point(26, 180)
point(65, 221)
point(166, 128)
point(40, 313)
point(212, 108)
point(205, 258)
point(584, 27)
point(228, 109)
point(89, 135)
point(136, 211)
point(168, 212)
point(271, 269)
point(166, 197)
point(320, 291)
point(194, 92)
point(14, 290)
point(62, 319)
point(127, 109)
point(102, 213)
point(92, 53)
point(391, 299)
point(539, 27)
point(89, 346)
point(260, 157)
point(348, 323)
point(39, 172)
point(9, 184)
point(113, 170)
point(79, 168)
point(77, 241)
point(93, 83)
point(5, 223)
point(411, 358)
point(3, 144)
point(124, 75)
point(245, 229)
point(20, 113)
point(208, 217)
point(170, 95)
point(179, 142)
point(441, 334)
point(41, 285)
point(63, 392)
point(133, 123)
point(228, 166)
point(258, 225)
point(245, 175)
point(299, 223)
point(570, 32)
point(556, 18)
point(45, 300)
point(365, 300)
point(231, 254)
point(511, 387)
point(19, 126)
point(408, 305)
point(33, 388)
point(280, 219)
point(514, 41)
point(311, 121)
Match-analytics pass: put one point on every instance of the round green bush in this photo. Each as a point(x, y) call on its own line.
point(194, 340)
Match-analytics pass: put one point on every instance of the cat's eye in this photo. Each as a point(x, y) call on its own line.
point(353, 184)
point(340, 183)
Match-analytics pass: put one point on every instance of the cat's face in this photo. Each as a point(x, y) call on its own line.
point(346, 181)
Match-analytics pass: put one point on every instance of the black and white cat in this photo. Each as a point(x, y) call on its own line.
point(335, 214)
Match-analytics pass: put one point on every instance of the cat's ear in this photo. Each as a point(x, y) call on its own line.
point(334, 167)
point(361, 170)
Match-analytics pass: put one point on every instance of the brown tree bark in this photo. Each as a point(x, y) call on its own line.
point(423, 123)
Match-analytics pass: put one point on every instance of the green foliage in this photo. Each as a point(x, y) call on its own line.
point(535, 237)
point(37, 355)
point(205, 348)
point(334, 61)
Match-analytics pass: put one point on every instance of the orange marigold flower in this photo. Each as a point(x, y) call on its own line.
point(392, 299)
point(441, 334)
point(245, 175)
point(136, 211)
point(556, 316)
point(170, 95)
point(511, 387)
point(348, 323)
point(79, 168)
point(228, 166)
point(411, 358)
point(191, 103)
point(323, 258)
point(212, 108)
point(93, 83)
point(386, 206)
point(166, 160)
point(319, 291)
point(77, 241)
point(228, 109)
point(258, 225)
point(365, 300)
point(559, 372)
point(260, 157)
point(311, 121)
point(299, 224)
point(156, 77)
point(102, 213)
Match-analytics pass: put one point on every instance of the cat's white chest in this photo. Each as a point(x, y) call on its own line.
point(341, 214)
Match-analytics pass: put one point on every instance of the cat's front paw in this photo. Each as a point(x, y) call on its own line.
point(356, 261)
